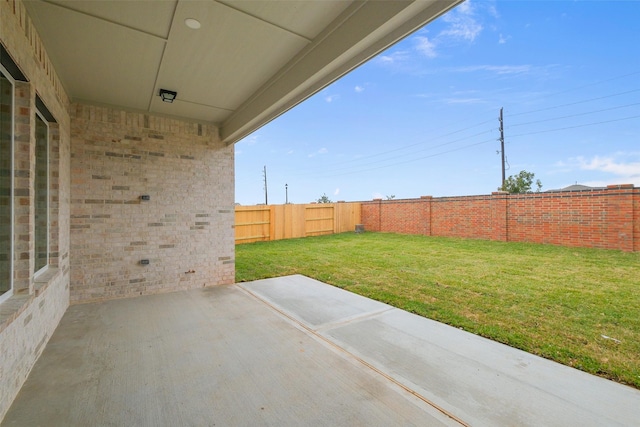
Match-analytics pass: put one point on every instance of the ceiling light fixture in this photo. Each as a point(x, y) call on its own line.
point(194, 24)
point(168, 95)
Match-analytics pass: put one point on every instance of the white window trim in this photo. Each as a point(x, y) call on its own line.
point(45, 267)
point(5, 296)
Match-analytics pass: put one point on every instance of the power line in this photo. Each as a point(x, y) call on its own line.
point(480, 143)
point(350, 170)
point(359, 159)
point(353, 161)
point(574, 115)
point(576, 126)
point(575, 103)
point(357, 162)
point(347, 171)
point(423, 142)
point(353, 166)
point(332, 170)
point(596, 83)
point(522, 124)
point(416, 159)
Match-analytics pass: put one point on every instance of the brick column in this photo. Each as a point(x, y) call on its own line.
point(379, 224)
point(619, 206)
point(636, 219)
point(370, 215)
point(499, 206)
point(425, 214)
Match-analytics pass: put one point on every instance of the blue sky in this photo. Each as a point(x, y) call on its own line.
point(422, 117)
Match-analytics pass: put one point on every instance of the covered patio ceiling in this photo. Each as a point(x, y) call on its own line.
point(249, 61)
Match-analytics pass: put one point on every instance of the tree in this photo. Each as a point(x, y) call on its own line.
point(391, 197)
point(324, 199)
point(520, 183)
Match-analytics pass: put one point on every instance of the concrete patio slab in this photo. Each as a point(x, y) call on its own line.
point(295, 351)
point(210, 357)
point(479, 381)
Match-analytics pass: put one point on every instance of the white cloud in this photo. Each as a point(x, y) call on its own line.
point(463, 101)
point(561, 167)
point(359, 89)
point(493, 11)
point(290, 152)
point(238, 152)
point(251, 140)
point(616, 168)
point(462, 23)
point(323, 150)
point(378, 196)
point(596, 183)
point(464, 7)
point(425, 46)
point(498, 69)
point(630, 170)
point(331, 98)
point(394, 57)
point(335, 193)
point(464, 30)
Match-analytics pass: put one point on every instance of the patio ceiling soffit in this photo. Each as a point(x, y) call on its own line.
point(249, 62)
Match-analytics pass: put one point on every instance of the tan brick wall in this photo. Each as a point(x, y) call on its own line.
point(25, 334)
point(29, 317)
point(185, 230)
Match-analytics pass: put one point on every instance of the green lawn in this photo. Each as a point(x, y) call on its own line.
point(556, 302)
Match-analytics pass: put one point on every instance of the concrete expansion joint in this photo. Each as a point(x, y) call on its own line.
point(352, 319)
point(341, 350)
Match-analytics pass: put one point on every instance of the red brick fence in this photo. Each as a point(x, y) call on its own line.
point(600, 218)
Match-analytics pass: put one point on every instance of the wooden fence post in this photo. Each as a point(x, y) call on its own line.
point(272, 222)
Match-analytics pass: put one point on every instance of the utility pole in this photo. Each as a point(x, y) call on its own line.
point(266, 198)
point(502, 146)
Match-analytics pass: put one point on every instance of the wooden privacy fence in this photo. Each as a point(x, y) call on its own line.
point(277, 222)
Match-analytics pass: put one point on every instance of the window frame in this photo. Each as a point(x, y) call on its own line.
point(9, 293)
point(42, 116)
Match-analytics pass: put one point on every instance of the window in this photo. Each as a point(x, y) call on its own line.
point(6, 184)
point(41, 193)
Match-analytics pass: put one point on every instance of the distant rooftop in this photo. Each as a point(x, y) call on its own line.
point(577, 187)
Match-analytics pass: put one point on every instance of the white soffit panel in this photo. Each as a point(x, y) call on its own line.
point(227, 59)
point(155, 20)
point(99, 61)
point(305, 18)
point(191, 110)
